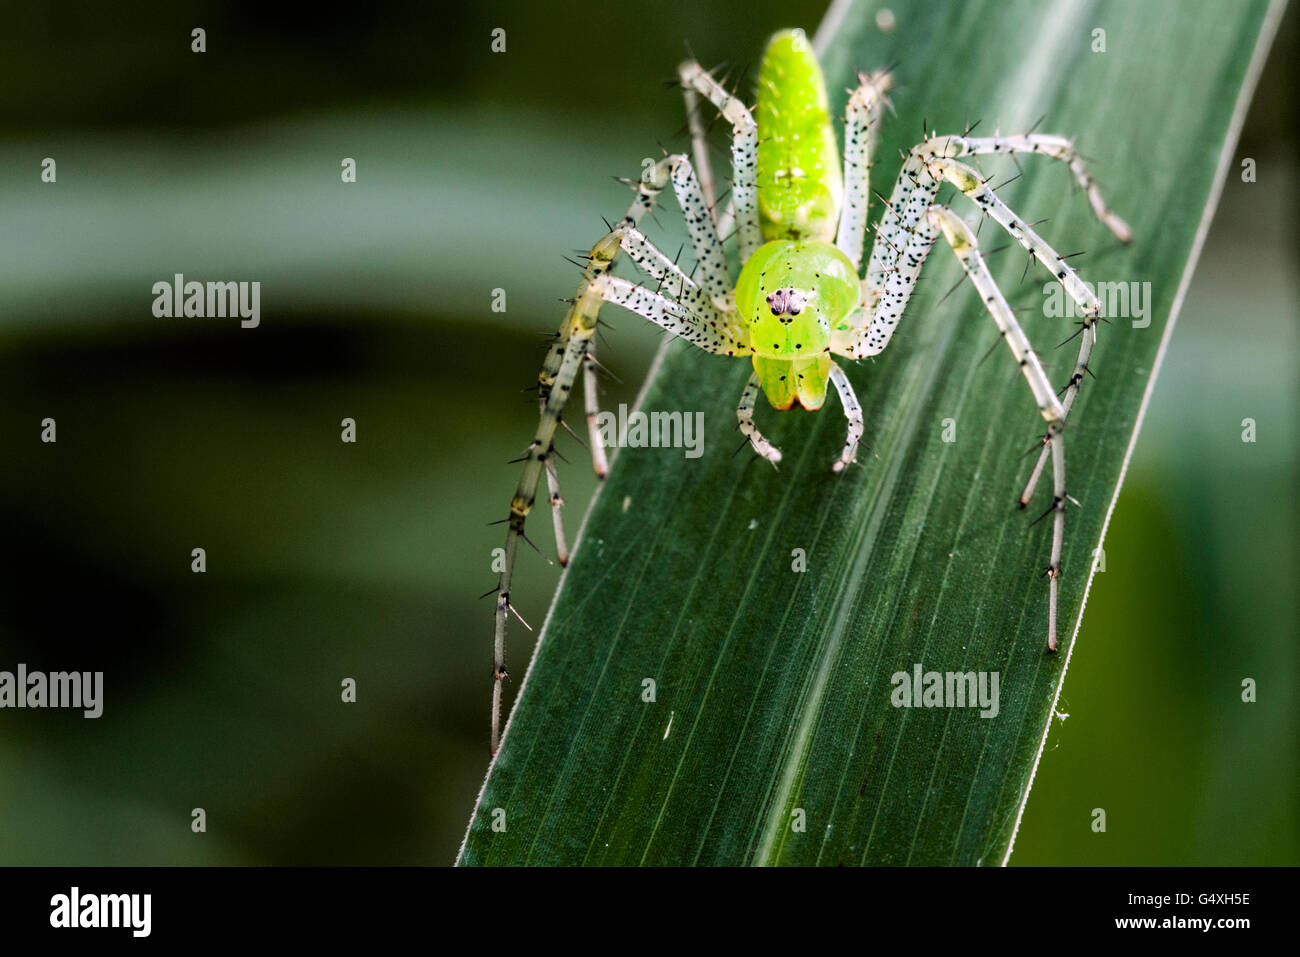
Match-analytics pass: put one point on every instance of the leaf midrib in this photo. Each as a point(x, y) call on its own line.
point(795, 753)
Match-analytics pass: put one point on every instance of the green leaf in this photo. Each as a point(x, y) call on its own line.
point(772, 687)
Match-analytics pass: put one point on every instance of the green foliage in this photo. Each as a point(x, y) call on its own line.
point(771, 685)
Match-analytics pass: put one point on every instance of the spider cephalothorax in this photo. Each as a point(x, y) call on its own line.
point(790, 295)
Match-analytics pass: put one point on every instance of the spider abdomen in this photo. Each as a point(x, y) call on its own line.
point(800, 186)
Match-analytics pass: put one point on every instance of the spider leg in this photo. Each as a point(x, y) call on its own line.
point(673, 316)
point(573, 352)
point(1037, 472)
point(869, 328)
point(699, 144)
point(705, 241)
point(599, 461)
point(744, 154)
point(861, 133)
point(557, 503)
point(672, 280)
point(1057, 148)
point(852, 412)
point(556, 379)
point(914, 191)
point(745, 415)
point(903, 239)
point(969, 182)
point(963, 243)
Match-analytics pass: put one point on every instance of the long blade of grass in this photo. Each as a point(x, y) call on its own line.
point(713, 683)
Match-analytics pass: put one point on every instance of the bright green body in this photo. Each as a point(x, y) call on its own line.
point(798, 286)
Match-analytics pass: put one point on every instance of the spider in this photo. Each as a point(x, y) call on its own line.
point(800, 221)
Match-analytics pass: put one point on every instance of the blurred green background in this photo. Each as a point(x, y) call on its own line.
point(478, 171)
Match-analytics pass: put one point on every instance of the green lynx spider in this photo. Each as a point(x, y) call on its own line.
point(800, 226)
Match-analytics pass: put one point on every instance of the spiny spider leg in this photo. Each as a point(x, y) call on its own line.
point(969, 182)
point(672, 279)
point(695, 319)
point(675, 317)
point(914, 191)
point(706, 245)
point(744, 154)
point(557, 503)
point(572, 351)
point(599, 461)
point(1087, 339)
point(1053, 147)
point(889, 278)
point(852, 412)
point(861, 133)
point(903, 239)
point(903, 235)
point(699, 144)
point(745, 415)
point(871, 326)
point(962, 241)
point(1057, 148)
point(556, 380)
point(907, 231)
